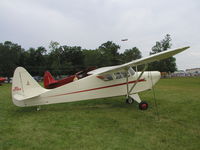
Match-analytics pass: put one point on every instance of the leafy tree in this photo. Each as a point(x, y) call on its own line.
point(131, 54)
point(65, 59)
point(54, 57)
point(9, 55)
point(35, 60)
point(70, 59)
point(53, 46)
point(166, 65)
point(109, 54)
point(92, 58)
point(74, 56)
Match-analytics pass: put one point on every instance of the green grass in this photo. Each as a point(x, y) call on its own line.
point(107, 123)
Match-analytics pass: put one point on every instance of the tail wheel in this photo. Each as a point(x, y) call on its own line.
point(143, 105)
point(129, 100)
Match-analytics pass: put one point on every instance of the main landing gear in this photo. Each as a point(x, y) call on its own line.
point(129, 100)
point(135, 97)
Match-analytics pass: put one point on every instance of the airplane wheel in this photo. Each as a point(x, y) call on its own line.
point(143, 105)
point(129, 100)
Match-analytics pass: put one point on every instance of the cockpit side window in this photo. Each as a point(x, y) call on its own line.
point(118, 75)
point(125, 74)
point(108, 77)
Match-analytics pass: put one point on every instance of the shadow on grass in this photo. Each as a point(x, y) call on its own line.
point(108, 103)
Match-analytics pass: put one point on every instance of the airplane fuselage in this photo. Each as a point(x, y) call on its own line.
point(93, 87)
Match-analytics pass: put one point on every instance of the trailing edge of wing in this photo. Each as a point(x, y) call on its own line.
point(146, 60)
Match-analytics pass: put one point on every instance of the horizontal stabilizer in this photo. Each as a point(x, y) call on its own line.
point(22, 97)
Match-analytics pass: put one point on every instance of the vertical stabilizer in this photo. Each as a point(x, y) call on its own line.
point(48, 79)
point(24, 86)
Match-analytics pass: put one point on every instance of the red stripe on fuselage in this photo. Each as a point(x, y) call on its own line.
point(114, 85)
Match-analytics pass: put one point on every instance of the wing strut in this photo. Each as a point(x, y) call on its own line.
point(129, 91)
point(127, 83)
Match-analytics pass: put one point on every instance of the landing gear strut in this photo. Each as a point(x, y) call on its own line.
point(135, 97)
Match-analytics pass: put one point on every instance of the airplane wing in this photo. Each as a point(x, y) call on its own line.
point(145, 60)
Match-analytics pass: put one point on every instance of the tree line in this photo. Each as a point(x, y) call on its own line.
point(66, 60)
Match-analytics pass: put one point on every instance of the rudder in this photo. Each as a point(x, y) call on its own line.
point(48, 79)
point(24, 86)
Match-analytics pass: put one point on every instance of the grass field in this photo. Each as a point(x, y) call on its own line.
point(107, 123)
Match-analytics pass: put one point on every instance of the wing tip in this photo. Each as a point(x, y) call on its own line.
point(186, 47)
point(183, 48)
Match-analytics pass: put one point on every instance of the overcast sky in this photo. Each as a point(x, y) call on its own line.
point(89, 23)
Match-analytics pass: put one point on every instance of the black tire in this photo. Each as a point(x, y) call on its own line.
point(143, 105)
point(129, 100)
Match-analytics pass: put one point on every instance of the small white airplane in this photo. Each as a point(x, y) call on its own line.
point(120, 80)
